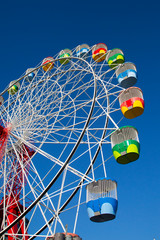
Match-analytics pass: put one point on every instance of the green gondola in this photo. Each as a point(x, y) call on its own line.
point(125, 144)
point(115, 57)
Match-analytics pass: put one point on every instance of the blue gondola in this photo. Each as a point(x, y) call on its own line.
point(127, 75)
point(82, 51)
point(30, 75)
point(102, 200)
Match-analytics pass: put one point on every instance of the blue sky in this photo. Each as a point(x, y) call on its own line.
point(33, 30)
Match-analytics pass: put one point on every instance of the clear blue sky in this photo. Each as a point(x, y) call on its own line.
point(33, 30)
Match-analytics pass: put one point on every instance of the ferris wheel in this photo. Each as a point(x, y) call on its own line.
point(60, 123)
